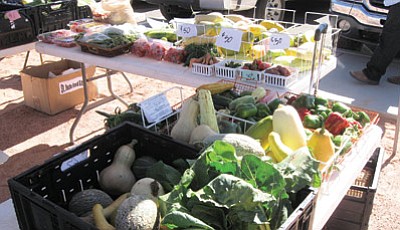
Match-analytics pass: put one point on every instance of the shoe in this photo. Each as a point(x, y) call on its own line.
point(394, 80)
point(359, 75)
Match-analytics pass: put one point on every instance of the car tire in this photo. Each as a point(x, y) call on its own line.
point(276, 15)
point(171, 12)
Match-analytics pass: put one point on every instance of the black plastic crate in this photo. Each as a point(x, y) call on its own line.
point(19, 31)
point(84, 12)
point(41, 194)
point(301, 217)
point(55, 15)
point(354, 211)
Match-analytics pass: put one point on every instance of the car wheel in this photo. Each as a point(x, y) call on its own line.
point(171, 12)
point(271, 14)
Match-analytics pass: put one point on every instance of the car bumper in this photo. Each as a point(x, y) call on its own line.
point(367, 19)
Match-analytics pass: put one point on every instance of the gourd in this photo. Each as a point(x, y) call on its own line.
point(147, 186)
point(137, 212)
point(287, 123)
point(200, 133)
point(82, 202)
point(140, 166)
point(118, 178)
point(187, 121)
point(243, 144)
point(99, 219)
point(109, 212)
point(207, 110)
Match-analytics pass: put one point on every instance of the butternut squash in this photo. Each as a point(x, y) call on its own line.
point(187, 121)
point(118, 177)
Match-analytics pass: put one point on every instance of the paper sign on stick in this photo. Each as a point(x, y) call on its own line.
point(279, 41)
point(186, 30)
point(156, 108)
point(230, 39)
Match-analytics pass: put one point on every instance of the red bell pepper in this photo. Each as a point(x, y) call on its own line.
point(336, 123)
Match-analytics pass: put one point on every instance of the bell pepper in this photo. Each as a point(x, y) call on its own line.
point(340, 142)
point(226, 126)
point(321, 101)
point(363, 118)
point(274, 104)
point(245, 110)
point(304, 101)
point(323, 111)
point(303, 112)
point(313, 121)
point(341, 108)
point(336, 123)
point(262, 110)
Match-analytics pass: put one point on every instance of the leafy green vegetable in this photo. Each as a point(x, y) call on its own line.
point(221, 191)
point(300, 170)
point(167, 175)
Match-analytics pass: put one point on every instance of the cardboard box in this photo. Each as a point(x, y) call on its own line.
point(55, 94)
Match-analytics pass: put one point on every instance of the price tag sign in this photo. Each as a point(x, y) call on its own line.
point(249, 75)
point(186, 30)
point(230, 39)
point(156, 108)
point(75, 160)
point(13, 15)
point(279, 41)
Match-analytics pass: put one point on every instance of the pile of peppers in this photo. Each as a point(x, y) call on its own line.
point(336, 117)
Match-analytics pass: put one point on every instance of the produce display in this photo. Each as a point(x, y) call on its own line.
point(242, 135)
point(164, 198)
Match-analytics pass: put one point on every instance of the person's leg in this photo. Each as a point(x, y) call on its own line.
point(389, 46)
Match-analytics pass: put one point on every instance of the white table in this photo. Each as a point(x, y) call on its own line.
point(19, 49)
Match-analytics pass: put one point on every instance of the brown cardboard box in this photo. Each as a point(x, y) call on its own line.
point(52, 95)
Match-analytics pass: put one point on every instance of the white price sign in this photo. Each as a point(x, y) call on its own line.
point(230, 39)
point(75, 160)
point(186, 30)
point(279, 41)
point(156, 108)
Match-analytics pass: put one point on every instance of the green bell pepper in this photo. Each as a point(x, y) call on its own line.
point(313, 121)
point(363, 118)
point(304, 101)
point(245, 110)
point(341, 108)
point(262, 110)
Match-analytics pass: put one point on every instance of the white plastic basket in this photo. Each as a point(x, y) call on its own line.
point(280, 80)
point(227, 72)
point(205, 70)
point(251, 75)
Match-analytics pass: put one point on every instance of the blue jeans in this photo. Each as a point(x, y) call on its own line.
point(389, 45)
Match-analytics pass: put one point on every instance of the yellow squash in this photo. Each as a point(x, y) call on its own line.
point(321, 145)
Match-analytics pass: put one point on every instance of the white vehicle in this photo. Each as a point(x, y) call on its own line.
point(185, 8)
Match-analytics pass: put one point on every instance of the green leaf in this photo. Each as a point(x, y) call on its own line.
point(264, 176)
point(299, 170)
point(176, 219)
point(167, 175)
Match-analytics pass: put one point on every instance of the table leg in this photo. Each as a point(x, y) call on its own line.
point(84, 106)
point(397, 129)
point(26, 58)
point(109, 84)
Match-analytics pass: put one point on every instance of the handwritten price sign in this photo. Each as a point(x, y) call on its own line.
point(186, 30)
point(156, 108)
point(230, 39)
point(279, 41)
